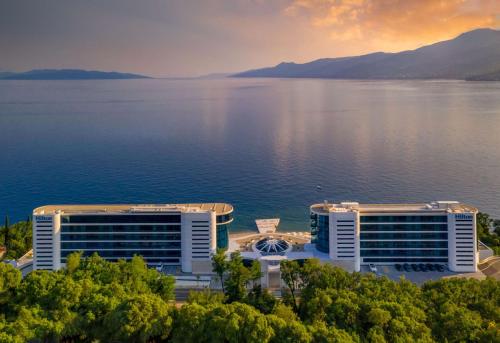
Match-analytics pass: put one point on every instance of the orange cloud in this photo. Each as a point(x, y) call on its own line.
point(396, 24)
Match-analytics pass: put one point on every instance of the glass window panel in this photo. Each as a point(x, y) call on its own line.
point(121, 228)
point(404, 219)
point(404, 227)
point(127, 254)
point(119, 237)
point(403, 253)
point(120, 245)
point(122, 218)
point(404, 244)
point(376, 236)
point(407, 259)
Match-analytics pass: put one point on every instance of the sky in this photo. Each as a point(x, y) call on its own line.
point(196, 37)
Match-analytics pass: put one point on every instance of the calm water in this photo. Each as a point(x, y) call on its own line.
point(262, 145)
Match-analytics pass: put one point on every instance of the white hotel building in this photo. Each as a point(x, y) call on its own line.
point(354, 234)
point(182, 235)
point(347, 234)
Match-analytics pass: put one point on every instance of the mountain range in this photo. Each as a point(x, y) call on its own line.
point(68, 74)
point(474, 55)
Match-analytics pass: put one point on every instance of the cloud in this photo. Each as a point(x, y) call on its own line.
point(188, 37)
point(396, 23)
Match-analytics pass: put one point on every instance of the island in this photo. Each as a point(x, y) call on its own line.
point(69, 74)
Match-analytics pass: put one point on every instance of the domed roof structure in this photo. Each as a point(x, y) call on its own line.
point(272, 246)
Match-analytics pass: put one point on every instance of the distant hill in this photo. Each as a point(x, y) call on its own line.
point(494, 76)
point(469, 55)
point(69, 74)
point(5, 74)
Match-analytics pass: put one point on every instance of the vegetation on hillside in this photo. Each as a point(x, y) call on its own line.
point(488, 231)
point(16, 238)
point(90, 300)
point(93, 300)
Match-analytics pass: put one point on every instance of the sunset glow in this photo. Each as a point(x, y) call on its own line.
point(183, 38)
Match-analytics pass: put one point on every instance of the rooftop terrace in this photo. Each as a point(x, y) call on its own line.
point(432, 207)
point(219, 208)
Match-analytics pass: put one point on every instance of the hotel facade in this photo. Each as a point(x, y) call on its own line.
point(347, 234)
point(183, 235)
point(354, 234)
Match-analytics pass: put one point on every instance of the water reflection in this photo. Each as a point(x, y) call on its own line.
point(261, 144)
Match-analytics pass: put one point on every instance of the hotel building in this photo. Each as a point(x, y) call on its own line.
point(182, 235)
point(354, 234)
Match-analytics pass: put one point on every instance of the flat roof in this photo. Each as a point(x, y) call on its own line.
point(431, 207)
point(219, 208)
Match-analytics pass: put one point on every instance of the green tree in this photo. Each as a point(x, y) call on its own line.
point(10, 279)
point(458, 324)
point(290, 274)
point(261, 299)
point(220, 265)
point(205, 297)
point(291, 331)
point(321, 333)
point(139, 318)
point(496, 226)
point(491, 238)
point(189, 324)
point(284, 312)
point(239, 277)
point(6, 233)
point(236, 322)
point(17, 238)
point(73, 261)
point(97, 300)
point(483, 223)
point(379, 317)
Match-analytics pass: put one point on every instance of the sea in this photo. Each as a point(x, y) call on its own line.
point(270, 147)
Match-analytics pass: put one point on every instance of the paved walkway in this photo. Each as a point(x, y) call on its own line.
point(491, 268)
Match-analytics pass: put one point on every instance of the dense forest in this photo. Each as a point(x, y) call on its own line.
point(93, 300)
point(16, 238)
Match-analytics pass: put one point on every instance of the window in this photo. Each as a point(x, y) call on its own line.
point(403, 219)
point(120, 218)
point(323, 233)
point(404, 236)
point(404, 227)
point(121, 228)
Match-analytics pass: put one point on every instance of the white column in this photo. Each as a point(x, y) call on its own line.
point(34, 240)
point(186, 243)
point(332, 236)
point(462, 242)
point(452, 247)
point(213, 232)
point(344, 239)
point(56, 241)
point(476, 252)
point(357, 245)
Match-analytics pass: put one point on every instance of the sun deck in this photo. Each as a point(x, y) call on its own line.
point(219, 208)
point(432, 207)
